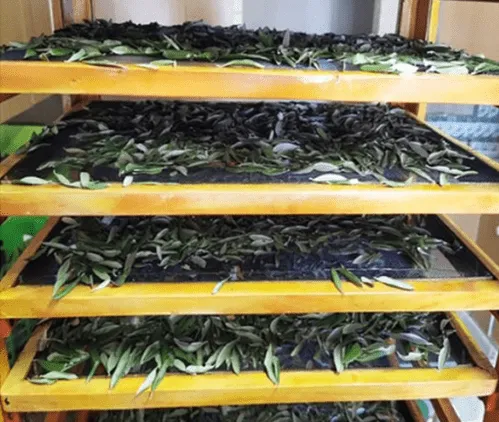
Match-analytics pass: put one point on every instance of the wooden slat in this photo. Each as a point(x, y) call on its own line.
point(246, 298)
point(57, 15)
point(216, 82)
point(247, 388)
point(13, 273)
point(258, 297)
point(445, 411)
point(5, 97)
point(414, 411)
point(56, 417)
point(244, 199)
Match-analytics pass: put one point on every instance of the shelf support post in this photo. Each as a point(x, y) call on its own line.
point(5, 331)
point(419, 20)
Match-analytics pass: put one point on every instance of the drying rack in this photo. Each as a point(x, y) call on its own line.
point(419, 19)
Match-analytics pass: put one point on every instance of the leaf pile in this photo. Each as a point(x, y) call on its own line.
point(175, 142)
point(237, 46)
point(338, 412)
point(103, 251)
point(198, 344)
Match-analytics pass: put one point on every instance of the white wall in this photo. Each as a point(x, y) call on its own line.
point(170, 12)
point(340, 16)
point(317, 16)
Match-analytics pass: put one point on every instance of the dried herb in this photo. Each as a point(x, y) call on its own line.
point(339, 412)
point(195, 41)
point(156, 346)
point(101, 252)
point(296, 142)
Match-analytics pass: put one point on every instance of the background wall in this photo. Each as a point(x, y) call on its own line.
point(341, 16)
point(20, 20)
point(347, 16)
point(170, 12)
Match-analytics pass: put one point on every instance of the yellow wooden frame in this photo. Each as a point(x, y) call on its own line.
point(19, 395)
point(256, 297)
point(210, 81)
point(254, 199)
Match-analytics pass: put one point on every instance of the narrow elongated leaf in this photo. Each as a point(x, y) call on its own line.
point(336, 280)
point(127, 181)
point(444, 354)
point(235, 361)
point(219, 285)
point(160, 375)
point(32, 180)
point(243, 63)
point(351, 277)
point(62, 276)
point(352, 352)
point(394, 283)
point(147, 382)
point(225, 353)
point(102, 285)
point(338, 353)
point(119, 371)
point(55, 375)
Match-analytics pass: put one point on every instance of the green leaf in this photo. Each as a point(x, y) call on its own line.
point(164, 63)
point(84, 179)
point(411, 356)
point(273, 325)
point(58, 52)
point(30, 52)
point(235, 361)
point(398, 284)
point(189, 347)
point(122, 50)
point(95, 364)
point(198, 369)
point(64, 291)
point(160, 375)
point(328, 178)
point(444, 354)
point(225, 353)
point(338, 353)
point(219, 285)
point(383, 68)
point(353, 351)
point(106, 63)
point(336, 280)
point(53, 366)
point(62, 276)
point(44, 381)
point(102, 285)
point(351, 277)
point(119, 371)
point(55, 375)
point(32, 180)
point(272, 365)
point(147, 382)
point(127, 181)
point(149, 352)
point(376, 354)
point(244, 63)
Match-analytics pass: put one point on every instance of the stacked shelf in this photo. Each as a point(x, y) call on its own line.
point(467, 281)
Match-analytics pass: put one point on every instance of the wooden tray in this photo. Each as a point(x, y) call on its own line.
point(251, 199)
point(19, 395)
point(249, 297)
